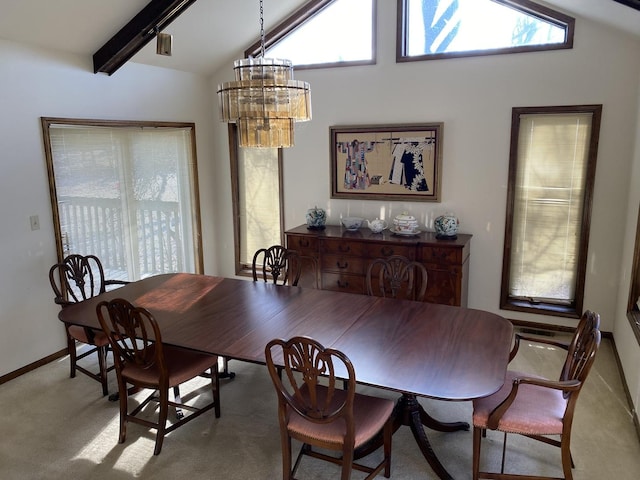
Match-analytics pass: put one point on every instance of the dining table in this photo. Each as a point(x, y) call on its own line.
point(413, 348)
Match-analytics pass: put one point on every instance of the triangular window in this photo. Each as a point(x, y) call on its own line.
point(434, 29)
point(324, 33)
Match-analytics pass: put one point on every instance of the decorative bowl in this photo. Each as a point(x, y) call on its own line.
point(352, 223)
point(405, 223)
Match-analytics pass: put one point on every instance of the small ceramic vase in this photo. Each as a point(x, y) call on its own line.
point(446, 227)
point(316, 218)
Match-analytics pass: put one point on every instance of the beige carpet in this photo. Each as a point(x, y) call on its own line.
point(54, 427)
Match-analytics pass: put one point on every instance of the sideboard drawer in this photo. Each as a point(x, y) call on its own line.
point(304, 244)
point(381, 250)
point(443, 256)
point(343, 264)
point(341, 246)
point(343, 282)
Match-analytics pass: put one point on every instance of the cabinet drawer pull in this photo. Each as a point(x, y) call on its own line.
point(344, 248)
point(387, 251)
point(304, 242)
point(440, 255)
point(342, 284)
point(342, 265)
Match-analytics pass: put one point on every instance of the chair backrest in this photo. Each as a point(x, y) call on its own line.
point(588, 322)
point(397, 277)
point(133, 333)
point(277, 264)
point(77, 278)
point(306, 362)
point(581, 355)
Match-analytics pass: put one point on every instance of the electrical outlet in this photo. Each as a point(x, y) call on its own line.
point(35, 222)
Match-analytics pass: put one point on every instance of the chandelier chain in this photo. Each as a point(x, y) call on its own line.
point(261, 29)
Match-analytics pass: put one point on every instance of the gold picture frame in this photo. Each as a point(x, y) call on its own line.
point(386, 162)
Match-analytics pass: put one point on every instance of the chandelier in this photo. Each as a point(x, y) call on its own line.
point(264, 101)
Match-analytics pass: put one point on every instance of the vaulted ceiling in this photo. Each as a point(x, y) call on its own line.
point(209, 33)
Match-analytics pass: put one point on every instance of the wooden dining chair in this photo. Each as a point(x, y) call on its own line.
point(143, 361)
point(312, 410)
point(536, 407)
point(277, 264)
point(397, 277)
point(77, 278)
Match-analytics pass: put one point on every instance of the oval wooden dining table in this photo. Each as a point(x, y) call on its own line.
point(414, 348)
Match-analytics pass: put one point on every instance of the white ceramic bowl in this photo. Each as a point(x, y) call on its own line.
point(352, 223)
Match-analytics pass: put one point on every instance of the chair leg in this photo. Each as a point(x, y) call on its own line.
point(71, 347)
point(347, 463)
point(102, 362)
point(504, 452)
point(162, 419)
point(287, 473)
point(176, 396)
point(388, 436)
point(123, 396)
point(567, 461)
point(215, 385)
point(478, 433)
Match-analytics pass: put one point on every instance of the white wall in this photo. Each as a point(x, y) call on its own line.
point(474, 98)
point(36, 83)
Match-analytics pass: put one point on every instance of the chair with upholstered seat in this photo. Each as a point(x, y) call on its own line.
point(276, 264)
point(312, 410)
point(536, 407)
point(77, 278)
point(397, 276)
point(143, 361)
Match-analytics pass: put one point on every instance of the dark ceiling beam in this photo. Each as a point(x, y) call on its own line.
point(630, 3)
point(137, 33)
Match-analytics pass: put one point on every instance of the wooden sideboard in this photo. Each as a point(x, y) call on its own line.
point(342, 258)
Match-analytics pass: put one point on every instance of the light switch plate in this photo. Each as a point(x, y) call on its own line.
point(35, 222)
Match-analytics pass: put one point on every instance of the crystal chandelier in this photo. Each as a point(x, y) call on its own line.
point(264, 100)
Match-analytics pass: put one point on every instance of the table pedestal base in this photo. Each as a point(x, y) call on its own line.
point(409, 412)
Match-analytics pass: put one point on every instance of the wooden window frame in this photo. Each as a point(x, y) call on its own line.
point(633, 310)
point(297, 20)
point(194, 195)
point(525, 6)
point(573, 310)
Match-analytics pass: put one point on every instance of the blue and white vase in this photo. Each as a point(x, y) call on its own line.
point(316, 218)
point(446, 227)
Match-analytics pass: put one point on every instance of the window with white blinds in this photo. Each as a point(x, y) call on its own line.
point(257, 199)
point(551, 176)
point(125, 192)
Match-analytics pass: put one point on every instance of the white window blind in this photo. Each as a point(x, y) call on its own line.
point(259, 201)
point(552, 159)
point(126, 194)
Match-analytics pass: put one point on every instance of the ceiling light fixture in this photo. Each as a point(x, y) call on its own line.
point(164, 44)
point(264, 100)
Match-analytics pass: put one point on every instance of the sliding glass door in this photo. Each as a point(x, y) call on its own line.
point(125, 192)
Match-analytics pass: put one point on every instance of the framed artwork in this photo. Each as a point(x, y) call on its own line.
point(386, 162)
